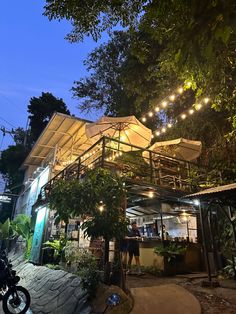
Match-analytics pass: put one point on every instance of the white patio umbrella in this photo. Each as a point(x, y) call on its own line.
point(126, 129)
point(180, 148)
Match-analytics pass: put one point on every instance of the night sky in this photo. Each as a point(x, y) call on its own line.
point(36, 58)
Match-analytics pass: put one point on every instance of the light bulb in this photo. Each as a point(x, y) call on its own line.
point(180, 90)
point(157, 109)
point(183, 116)
point(191, 111)
point(150, 113)
point(198, 106)
point(169, 125)
point(172, 97)
point(206, 100)
point(163, 130)
point(158, 133)
point(144, 119)
point(164, 104)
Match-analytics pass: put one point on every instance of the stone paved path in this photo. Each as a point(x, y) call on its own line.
point(52, 291)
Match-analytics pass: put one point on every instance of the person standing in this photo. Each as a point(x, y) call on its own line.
point(133, 246)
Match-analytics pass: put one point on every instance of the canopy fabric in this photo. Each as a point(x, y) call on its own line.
point(179, 148)
point(126, 129)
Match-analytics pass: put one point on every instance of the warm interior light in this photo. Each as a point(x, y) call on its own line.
point(101, 206)
point(150, 194)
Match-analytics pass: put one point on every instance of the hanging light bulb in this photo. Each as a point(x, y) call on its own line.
point(152, 136)
point(191, 111)
point(172, 97)
point(189, 84)
point(164, 104)
point(163, 130)
point(183, 116)
point(180, 90)
point(157, 109)
point(198, 106)
point(144, 119)
point(206, 100)
point(169, 125)
point(150, 113)
point(158, 133)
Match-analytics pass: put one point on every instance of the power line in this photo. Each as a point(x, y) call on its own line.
point(7, 122)
point(12, 103)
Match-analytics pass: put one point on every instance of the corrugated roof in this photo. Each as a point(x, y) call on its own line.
point(65, 132)
point(213, 191)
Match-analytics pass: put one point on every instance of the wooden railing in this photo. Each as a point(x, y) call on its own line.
point(138, 164)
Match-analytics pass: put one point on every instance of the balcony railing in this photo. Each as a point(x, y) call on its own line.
point(138, 164)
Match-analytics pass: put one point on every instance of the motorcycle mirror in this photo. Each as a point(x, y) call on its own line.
point(113, 299)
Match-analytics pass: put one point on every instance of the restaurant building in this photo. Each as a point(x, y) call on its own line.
point(156, 179)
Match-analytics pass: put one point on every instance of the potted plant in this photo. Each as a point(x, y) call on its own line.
point(173, 255)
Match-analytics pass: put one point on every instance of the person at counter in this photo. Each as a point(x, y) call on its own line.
point(164, 232)
point(133, 247)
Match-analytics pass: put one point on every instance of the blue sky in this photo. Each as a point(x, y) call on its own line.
point(36, 58)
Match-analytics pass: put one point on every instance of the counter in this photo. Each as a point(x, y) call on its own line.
point(190, 261)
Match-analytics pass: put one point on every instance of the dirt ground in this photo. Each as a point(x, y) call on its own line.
point(213, 300)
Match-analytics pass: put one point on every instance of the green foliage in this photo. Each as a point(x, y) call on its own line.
point(171, 251)
point(153, 270)
point(87, 271)
point(93, 17)
point(40, 111)
point(10, 161)
point(5, 230)
point(230, 269)
point(58, 246)
point(86, 266)
point(21, 225)
point(74, 198)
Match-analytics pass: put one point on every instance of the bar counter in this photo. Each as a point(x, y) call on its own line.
point(191, 259)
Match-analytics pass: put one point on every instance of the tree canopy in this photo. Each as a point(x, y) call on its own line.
point(40, 111)
point(197, 39)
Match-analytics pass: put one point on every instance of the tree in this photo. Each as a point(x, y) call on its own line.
point(93, 17)
point(198, 38)
point(10, 162)
point(41, 110)
point(98, 199)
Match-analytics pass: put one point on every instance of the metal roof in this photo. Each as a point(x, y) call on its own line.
point(65, 132)
point(231, 188)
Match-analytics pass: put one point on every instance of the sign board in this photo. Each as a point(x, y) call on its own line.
point(5, 198)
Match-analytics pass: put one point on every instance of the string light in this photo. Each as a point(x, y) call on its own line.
point(164, 104)
point(180, 90)
point(150, 114)
point(157, 109)
point(182, 116)
point(198, 106)
point(144, 119)
point(172, 97)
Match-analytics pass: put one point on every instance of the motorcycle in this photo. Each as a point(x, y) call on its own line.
point(15, 299)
